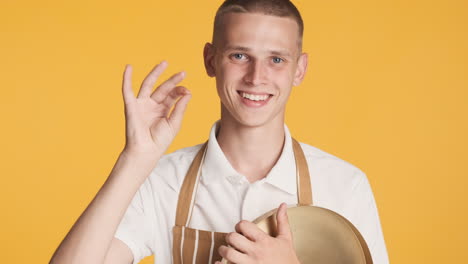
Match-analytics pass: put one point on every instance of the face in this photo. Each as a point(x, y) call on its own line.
point(256, 60)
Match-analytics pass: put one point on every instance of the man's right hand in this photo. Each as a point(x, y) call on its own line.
point(150, 129)
point(150, 125)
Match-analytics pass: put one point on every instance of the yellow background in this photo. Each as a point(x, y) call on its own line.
point(386, 90)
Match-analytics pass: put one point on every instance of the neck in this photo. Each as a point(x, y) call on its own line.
point(252, 151)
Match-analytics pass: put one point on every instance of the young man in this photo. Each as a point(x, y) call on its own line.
point(246, 168)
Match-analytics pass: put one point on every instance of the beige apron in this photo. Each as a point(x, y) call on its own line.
point(200, 246)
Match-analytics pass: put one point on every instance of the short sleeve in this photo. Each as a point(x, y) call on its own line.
point(366, 219)
point(136, 228)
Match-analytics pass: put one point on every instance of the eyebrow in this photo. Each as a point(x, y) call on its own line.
point(246, 49)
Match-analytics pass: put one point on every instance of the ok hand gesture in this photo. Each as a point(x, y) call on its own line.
point(150, 124)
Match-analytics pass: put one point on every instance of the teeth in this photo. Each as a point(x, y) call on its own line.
point(254, 97)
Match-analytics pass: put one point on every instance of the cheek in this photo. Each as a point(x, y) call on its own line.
point(229, 75)
point(232, 72)
point(227, 79)
point(283, 77)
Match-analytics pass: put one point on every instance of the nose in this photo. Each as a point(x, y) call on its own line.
point(255, 74)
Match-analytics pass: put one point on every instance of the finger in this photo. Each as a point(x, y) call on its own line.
point(173, 95)
point(239, 242)
point(175, 119)
point(150, 80)
point(163, 90)
point(250, 230)
point(283, 222)
point(127, 85)
point(232, 254)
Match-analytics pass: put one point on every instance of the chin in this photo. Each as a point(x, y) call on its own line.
point(240, 116)
point(254, 120)
point(252, 123)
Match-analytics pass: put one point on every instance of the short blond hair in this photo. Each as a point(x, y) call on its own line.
point(280, 8)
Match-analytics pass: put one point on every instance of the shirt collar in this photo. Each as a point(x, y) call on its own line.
point(216, 167)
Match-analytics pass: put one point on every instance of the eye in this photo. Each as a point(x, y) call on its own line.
point(277, 60)
point(238, 56)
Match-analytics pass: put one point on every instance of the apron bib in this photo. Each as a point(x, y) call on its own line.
point(200, 246)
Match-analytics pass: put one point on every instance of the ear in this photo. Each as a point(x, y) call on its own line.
point(301, 69)
point(208, 57)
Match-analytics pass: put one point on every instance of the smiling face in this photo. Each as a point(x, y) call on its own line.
point(256, 60)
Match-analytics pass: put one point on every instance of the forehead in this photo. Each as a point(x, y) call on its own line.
point(259, 32)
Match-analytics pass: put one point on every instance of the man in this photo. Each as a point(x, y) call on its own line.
point(247, 167)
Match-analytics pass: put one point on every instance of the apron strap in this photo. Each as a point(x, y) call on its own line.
point(304, 189)
point(187, 191)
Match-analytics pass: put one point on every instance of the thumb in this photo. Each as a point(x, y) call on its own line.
point(283, 222)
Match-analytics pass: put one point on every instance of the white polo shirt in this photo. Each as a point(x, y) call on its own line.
point(225, 197)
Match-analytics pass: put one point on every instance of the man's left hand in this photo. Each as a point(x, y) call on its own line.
point(249, 244)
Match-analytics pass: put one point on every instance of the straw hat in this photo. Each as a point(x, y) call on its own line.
point(320, 236)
